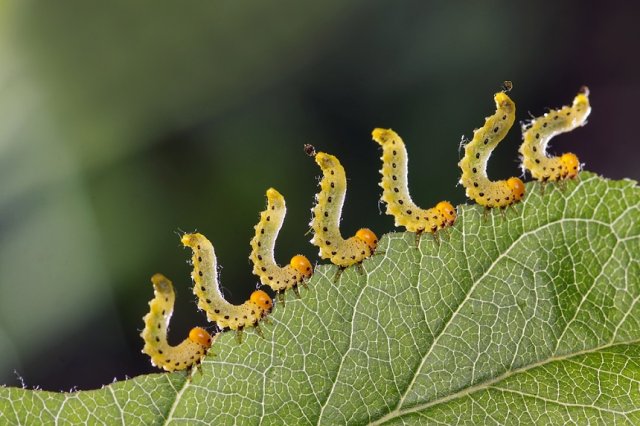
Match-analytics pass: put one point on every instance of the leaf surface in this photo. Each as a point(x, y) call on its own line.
point(527, 317)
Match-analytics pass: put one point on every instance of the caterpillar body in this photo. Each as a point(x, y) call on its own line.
point(477, 152)
point(263, 244)
point(156, 323)
point(326, 218)
point(396, 190)
point(211, 300)
point(539, 132)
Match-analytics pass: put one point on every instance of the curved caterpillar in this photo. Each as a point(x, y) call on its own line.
point(326, 218)
point(396, 191)
point(540, 131)
point(210, 299)
point(156, 322)
point(477, 152)
point(263, 244)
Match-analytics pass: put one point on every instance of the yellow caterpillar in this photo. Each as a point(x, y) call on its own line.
point(211, 300)
point(477, 152)
point(326, 218)
point(396, 190)
point(156, 322)
point(263, 245)
point(540, 131)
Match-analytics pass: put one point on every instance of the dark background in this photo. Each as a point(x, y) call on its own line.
point(122, 123)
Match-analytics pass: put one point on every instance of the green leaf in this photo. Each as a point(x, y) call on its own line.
point(530, 317)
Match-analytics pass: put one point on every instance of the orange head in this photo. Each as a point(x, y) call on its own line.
point(200, 336)
point(262, 299)
point(368, 237)
point(447, 211)
point(301, 264)
point(571, 164)
point(517, 188)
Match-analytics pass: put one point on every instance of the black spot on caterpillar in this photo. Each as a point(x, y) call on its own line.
point(263, 245)
point(326, 218)
point(477, 152)
point(539, 132)
point(396, 190)
point(207, 288)
point(156, 322)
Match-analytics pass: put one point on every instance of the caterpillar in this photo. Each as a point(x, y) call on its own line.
point(396, 191)
point(538, 133)
point(211, 300)
point(156, 322)
point(325, 222)
point(477, 152)
point(262, 249)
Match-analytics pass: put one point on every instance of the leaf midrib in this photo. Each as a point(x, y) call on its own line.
point(466, 297)
point(489, 383)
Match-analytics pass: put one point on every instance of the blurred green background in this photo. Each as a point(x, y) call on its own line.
point(122, 123)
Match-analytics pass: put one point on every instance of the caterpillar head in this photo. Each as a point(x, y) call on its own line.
point(200, 336)
point(368, 237)
point(571, 164)
point(309, 149)
point(517, 188)
point(262, 300)
point(301, 264)
point(447, 211)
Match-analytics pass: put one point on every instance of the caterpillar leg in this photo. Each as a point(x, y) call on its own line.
point(512, 208)
point(418, 237)
point(296, 291)
point(281, 297)
point(543, 184)
point(259, 331)
point(338, 273)
point(445, 233)
point(485, 214)
point(562, 185)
